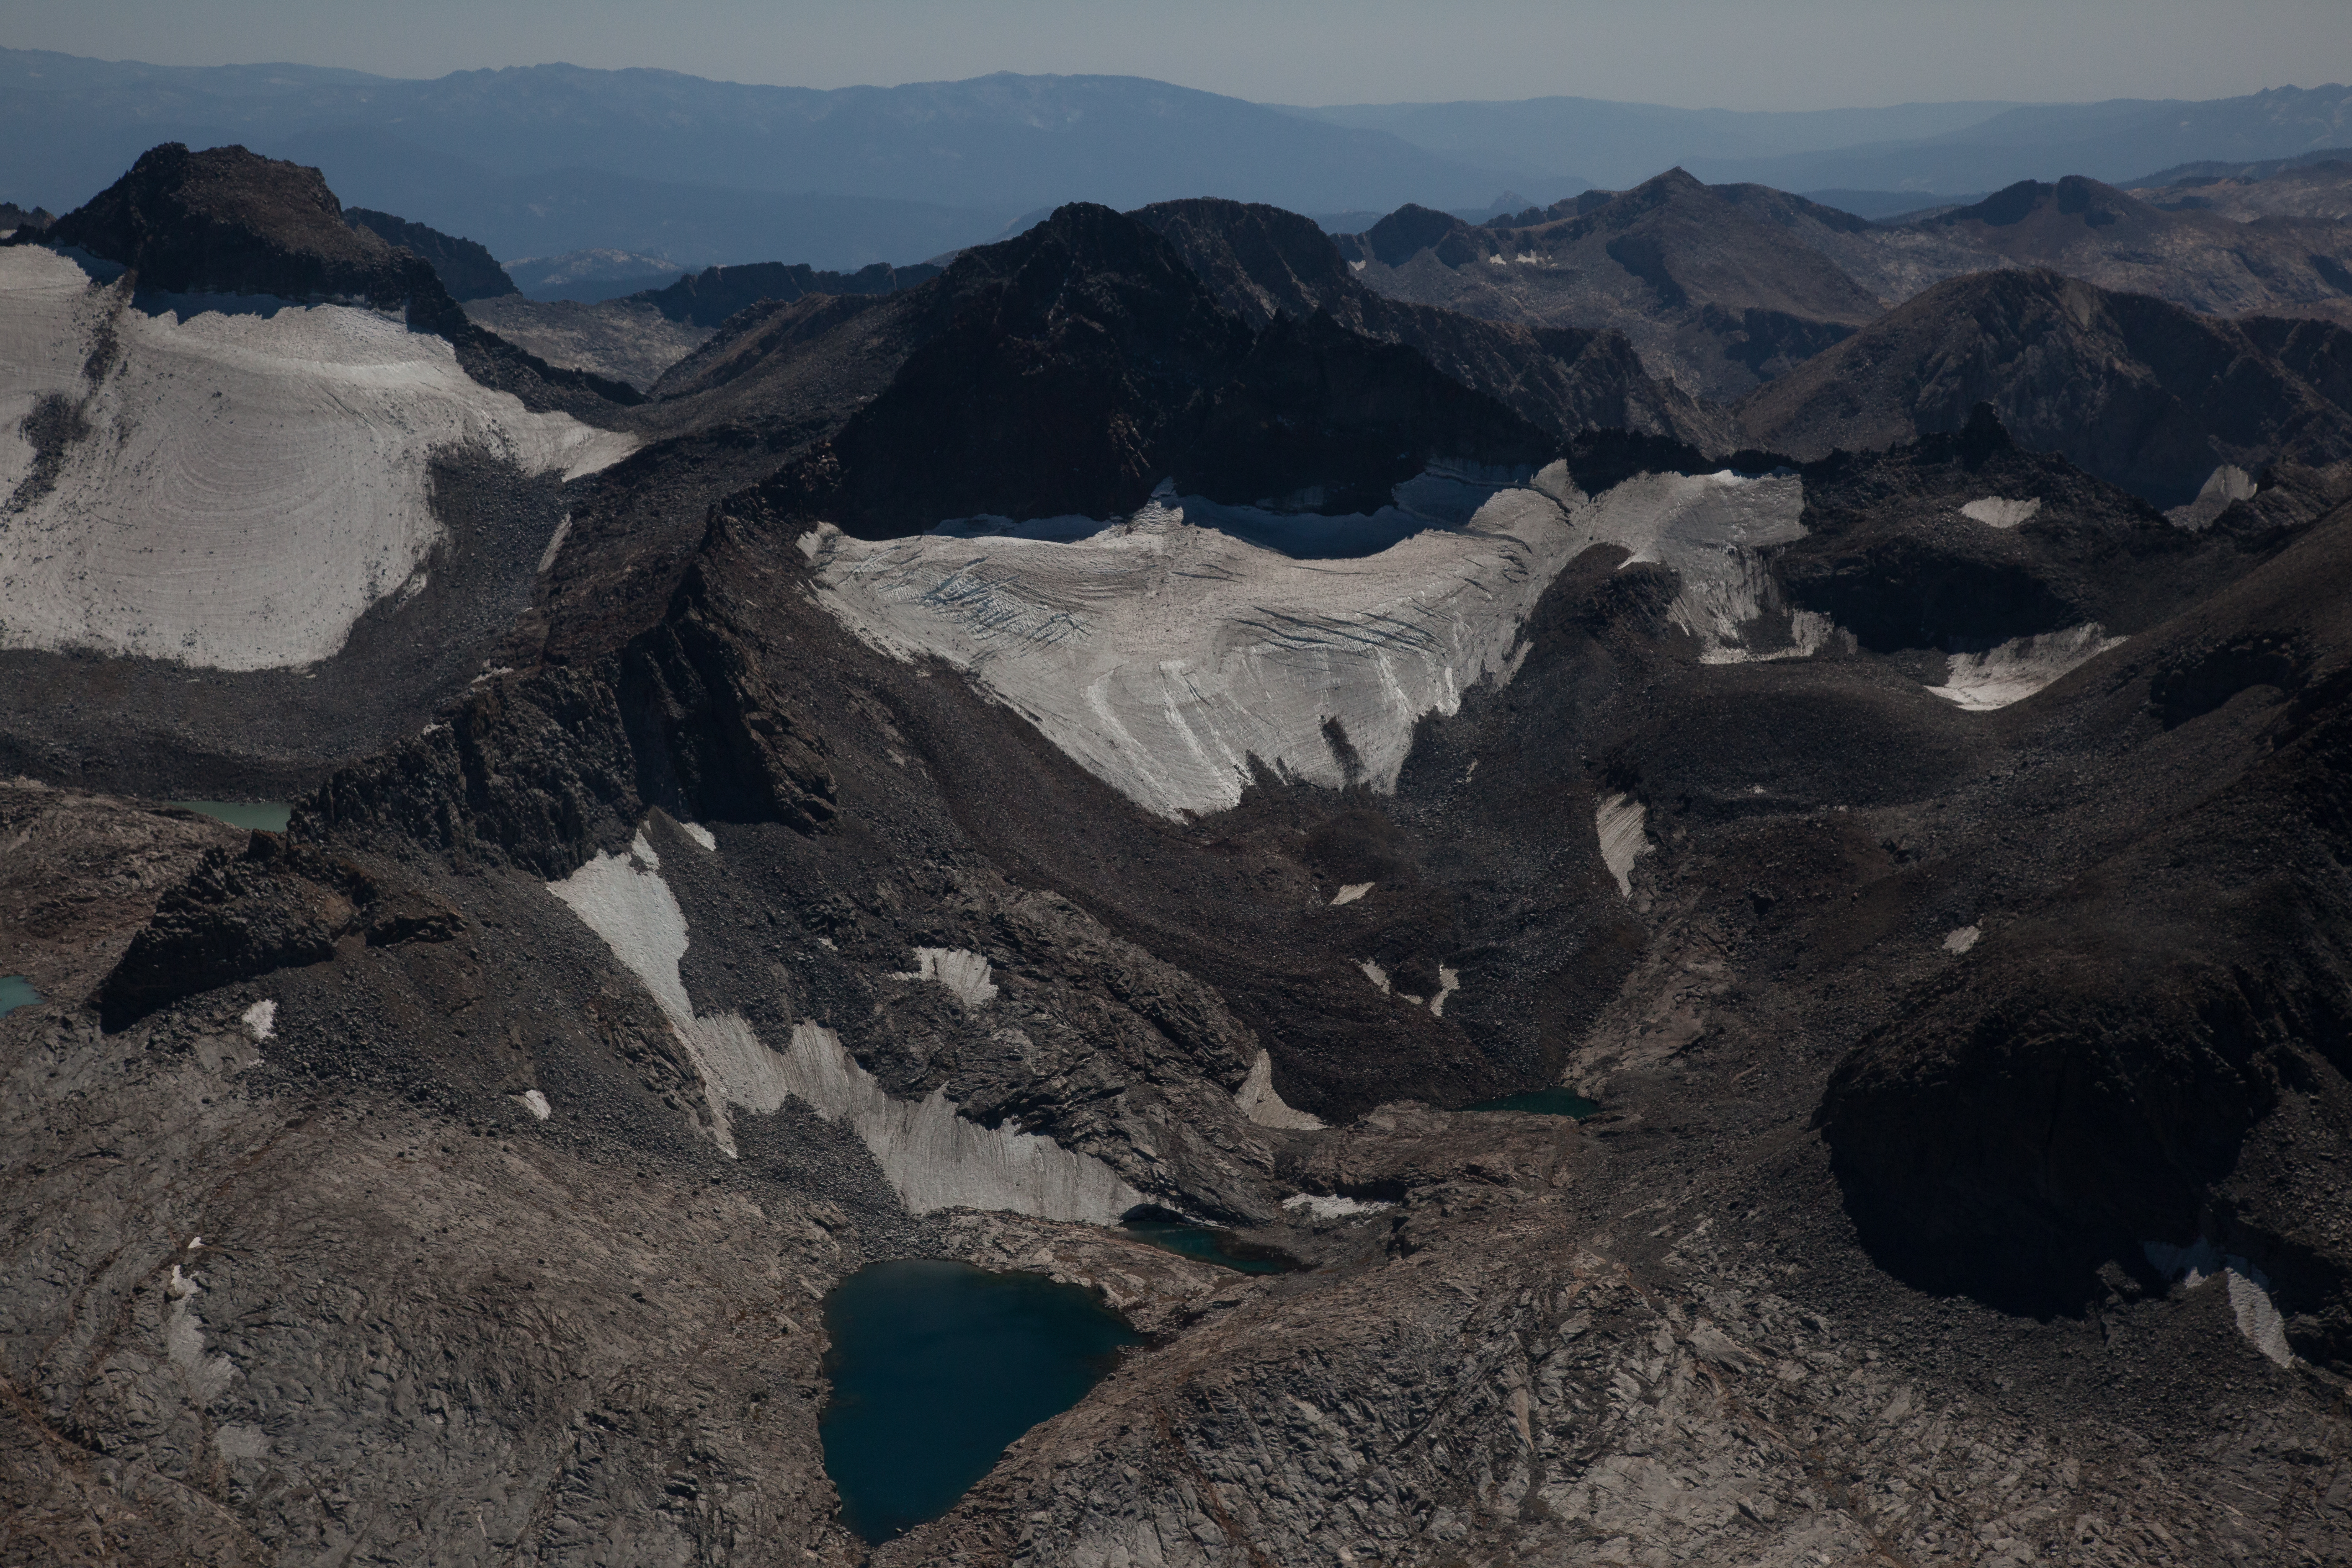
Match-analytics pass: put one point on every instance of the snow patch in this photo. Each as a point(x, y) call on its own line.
point(554, 544)
point(2259, 1321)
point(250, 480)
point(1259, 1102)
point(1352, 892)
point(1449, 981)
point(1961, 939)
point(1619, 821)
point(1999, 511)
point(2020, 667)
point(700, 835)
point(206, 1376)
point(262, 1019)
point(1332, 1208)
point(535, 1103)
point(963, 972)
point(1376, 974)
point(934, 1159)
point(2225, 484)
point(1710, 530)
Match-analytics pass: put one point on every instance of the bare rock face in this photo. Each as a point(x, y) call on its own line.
point(226, 221)
point(2211, 262)
point(2137, 392)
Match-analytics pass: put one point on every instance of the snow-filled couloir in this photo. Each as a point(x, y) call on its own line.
point(230, 482)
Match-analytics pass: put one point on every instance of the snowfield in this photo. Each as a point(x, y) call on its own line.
point(230, 482)
point(1162, 655)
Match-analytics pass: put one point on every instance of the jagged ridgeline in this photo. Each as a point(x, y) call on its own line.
point(1148, 723)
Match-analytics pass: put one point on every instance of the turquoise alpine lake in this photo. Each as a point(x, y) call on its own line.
point(269, 815)
point(1209, 1245)
point(936, 1368)
point(1542, 1102)
point(15, 992)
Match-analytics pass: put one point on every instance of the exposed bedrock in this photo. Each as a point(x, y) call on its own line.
point(2152, 1051)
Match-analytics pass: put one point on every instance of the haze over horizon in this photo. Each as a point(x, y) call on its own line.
point(1709, 54)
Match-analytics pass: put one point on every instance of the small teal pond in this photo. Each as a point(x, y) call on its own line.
point(1542, 1102)
point(269, 815)
point(936, 1368)
point(15, 992)
point(1209, 1245)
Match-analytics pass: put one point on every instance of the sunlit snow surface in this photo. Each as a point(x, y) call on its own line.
point(1163, 651)
point(250, 477)
point(2019, 666)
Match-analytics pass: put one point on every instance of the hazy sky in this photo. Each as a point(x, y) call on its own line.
point(1729, 54)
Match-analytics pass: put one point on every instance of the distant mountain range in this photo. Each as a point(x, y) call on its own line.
point(548, 160)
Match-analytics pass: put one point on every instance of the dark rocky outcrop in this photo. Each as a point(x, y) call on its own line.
point(713, 740)
point(277, 906)
point(710, 297)
point(465, 266)
point(13, 217)
point(2141, 393)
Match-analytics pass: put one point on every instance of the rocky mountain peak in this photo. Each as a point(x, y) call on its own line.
point(1409, 230)
point(230, 221)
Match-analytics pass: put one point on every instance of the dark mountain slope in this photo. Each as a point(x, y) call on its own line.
point(1084, 362)
point(2147, 1051)
point(465, 267)
point(2132, 389)
point(1261, 260)
point(1719, 288)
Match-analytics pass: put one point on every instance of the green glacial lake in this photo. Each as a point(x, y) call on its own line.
point(15, 992)
point(936, 1368)
point(1209, 1245)
point(270, 815)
